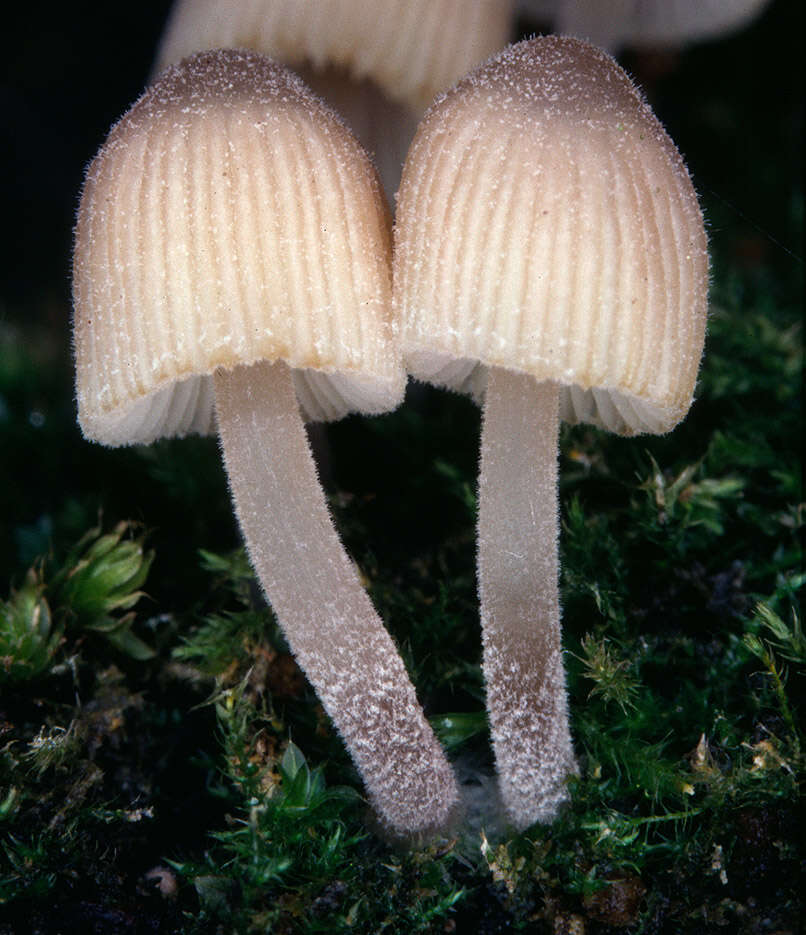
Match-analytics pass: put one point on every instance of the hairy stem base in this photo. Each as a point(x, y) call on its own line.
point(518, 571)
point(327, 617)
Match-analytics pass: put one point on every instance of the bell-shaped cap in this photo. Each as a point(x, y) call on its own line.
point(547, 224)
point(229, 217)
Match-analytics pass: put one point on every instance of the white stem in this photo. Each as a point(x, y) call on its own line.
point(519, 593)
point(327, 616)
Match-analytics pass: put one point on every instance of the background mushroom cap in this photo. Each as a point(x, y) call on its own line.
point(547, 224)
point(229, 217)
point(410, 48)
point(644, 22)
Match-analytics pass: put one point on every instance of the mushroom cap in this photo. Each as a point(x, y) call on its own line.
point(547, 224)
point(411, 48)
point(646, 22)
point(229, 217)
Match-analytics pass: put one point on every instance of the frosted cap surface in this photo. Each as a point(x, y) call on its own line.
point(229, 217)
point(547, 224)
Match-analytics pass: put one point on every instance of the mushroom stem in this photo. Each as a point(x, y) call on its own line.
point(519, 593)
point(327, 617)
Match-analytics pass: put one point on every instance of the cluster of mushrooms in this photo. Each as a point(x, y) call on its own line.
point(237, 270)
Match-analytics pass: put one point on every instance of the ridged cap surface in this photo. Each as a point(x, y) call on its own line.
point(411, 48)
point(229, 217)
point(547, 224)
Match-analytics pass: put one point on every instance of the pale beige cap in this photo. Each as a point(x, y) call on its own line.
point(547, 224)
point(657, 23)
point(410, 48)
point(229, 217)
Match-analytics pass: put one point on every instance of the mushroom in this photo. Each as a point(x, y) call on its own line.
point(231, 268)
point(379, 69)
point(657, 23)
point(550, 258)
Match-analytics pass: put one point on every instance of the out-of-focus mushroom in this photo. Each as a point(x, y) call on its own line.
point(231, 267)
point(379, 66)
point(613, 24)
point(550, 257)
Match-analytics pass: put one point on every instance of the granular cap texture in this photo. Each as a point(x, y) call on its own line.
point(547, 224)
point(229, 217)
